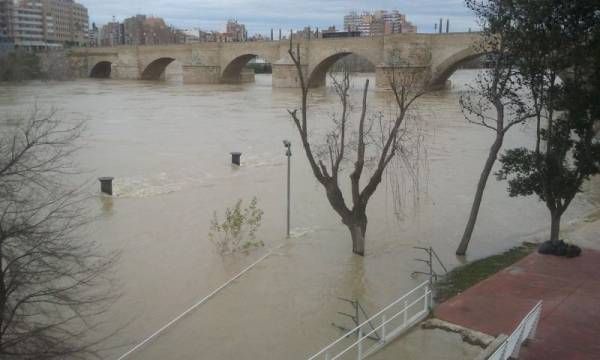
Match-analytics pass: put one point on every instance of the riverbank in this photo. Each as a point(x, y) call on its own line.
point(20, 66)
point(466, 276)
point(491, 296)
point(568, 288)
point(584, 233)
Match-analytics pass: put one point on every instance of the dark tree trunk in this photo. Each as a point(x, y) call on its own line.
point(485, 174)
point(555, 226)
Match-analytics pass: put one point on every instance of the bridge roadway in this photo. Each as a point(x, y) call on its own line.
point(435, 55)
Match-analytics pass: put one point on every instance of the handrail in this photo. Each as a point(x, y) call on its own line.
point(195, 306)
point(358, 328)
point(364, 336)
point(519, 335)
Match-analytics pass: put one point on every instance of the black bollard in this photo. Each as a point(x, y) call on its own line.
point(236, 158)
point(106, 185)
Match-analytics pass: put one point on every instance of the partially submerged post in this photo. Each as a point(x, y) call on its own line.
point(106, 185)
point(236, 158)
point(288, 153)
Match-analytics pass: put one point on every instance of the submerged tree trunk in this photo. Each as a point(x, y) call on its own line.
point(485, 174)
point(358, 239)
point(358, 230)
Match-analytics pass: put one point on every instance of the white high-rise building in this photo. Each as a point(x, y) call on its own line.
point(380, 22)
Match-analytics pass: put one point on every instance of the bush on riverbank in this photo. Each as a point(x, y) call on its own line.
point(20, 66)
point(462, 278)
point(23, 66)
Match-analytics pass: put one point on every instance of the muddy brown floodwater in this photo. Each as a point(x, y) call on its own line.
point(168, 145)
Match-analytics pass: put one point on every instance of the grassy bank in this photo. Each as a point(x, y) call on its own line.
point(462, 278)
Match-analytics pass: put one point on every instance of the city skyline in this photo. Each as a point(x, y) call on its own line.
point(261, 16)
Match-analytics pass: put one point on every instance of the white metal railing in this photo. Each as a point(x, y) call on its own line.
point(526, 330)
point(375, 332)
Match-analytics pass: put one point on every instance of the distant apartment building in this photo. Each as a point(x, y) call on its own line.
point(305, 34)
point(6, 41)
point(378, 23)
point(143, 30)
point(70, 22)
point(207, 36)
point(157, 32)
point(139, 30)
point(112, 34)
point(32, 27)
point(234, 32)
point(191, 36)
point(134, 32)
point(39, 24)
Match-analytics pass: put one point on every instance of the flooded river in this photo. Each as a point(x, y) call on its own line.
point(168, 146)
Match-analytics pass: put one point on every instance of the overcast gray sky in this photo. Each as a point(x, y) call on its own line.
point(262, 15)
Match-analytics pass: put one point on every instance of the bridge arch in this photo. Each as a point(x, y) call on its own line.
point(442, 72)
point(233, 71)
point(155, 70)
point(318, 76)
point(101, 70)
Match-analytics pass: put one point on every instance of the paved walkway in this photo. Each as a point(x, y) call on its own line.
point(570, 289)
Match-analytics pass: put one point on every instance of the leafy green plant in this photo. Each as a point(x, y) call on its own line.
point(238, 229)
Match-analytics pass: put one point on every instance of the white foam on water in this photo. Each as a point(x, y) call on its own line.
point(143, 187)
point(297, 233)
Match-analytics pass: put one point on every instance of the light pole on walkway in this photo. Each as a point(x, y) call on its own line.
point(288, 146)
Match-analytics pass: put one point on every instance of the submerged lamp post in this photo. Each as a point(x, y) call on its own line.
point(106, 186)
point(236, 158)
point(288, 146)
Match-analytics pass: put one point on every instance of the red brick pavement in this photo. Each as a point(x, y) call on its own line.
point(570, 288)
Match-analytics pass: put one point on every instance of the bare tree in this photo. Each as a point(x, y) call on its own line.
point(52, 282)
point(376, 143)
point(496, 100)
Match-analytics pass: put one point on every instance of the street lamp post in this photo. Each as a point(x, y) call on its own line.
point(288, 146)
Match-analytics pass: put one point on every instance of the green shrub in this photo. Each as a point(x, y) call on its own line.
point(238, 229)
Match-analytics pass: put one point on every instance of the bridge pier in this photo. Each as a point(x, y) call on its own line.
point(413, 76)
point(125, 72)
point(285, 75)
point(201, 74)
point(245, 76)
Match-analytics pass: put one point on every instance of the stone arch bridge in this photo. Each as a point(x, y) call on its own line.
point(439, 55)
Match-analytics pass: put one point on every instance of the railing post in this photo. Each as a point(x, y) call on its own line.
point(431, 272)
point(405, 312)
point(427, 293)
point(383, 320)
point(359, 343)
point(327, 356)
